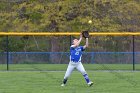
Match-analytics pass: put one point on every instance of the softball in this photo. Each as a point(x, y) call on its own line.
point(89, 21)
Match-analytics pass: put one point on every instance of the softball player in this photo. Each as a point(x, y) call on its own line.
point(75, 61)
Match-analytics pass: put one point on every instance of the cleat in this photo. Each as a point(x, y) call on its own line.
point(90, 83)
point(62, 85)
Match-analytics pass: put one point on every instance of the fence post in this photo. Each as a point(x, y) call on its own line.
point(92, 54)
point(133, 52)
point(70, 39)
point(7, 52)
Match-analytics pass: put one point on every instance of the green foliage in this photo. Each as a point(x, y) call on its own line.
point(70, 15)
point(112, 15)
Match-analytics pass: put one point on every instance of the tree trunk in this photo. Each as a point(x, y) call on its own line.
point(55, 47)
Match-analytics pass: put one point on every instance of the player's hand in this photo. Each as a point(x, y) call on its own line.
point(81, 35)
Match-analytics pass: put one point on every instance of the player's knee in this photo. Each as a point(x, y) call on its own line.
point(84, 72)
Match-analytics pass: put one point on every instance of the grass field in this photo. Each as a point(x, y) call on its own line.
point(62, 67)
point(40, 81)
point(49, 82)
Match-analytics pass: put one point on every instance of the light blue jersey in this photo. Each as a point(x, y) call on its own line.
point(76, 53)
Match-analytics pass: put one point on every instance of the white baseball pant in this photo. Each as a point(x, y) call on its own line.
point(72, 66)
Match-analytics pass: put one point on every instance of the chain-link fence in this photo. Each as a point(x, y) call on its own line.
point(113, 51)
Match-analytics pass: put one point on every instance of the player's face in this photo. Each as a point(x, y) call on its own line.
point(75, 41)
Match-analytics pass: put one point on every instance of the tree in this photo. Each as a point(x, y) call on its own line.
point(70, 15)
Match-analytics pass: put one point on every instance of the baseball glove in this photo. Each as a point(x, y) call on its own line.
point(85, 34)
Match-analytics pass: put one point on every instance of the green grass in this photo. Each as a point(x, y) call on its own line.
point(39, 78)
point(49, 82)
point(62, 67)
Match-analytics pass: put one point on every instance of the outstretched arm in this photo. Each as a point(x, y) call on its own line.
point(79, 41)
point(86, 45)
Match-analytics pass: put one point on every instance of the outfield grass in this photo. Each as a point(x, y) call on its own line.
point(62, 67)
point(49, 82)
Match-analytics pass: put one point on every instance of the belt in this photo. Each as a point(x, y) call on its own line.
point(75, 61)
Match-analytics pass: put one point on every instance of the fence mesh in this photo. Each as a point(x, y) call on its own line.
point(115, 52)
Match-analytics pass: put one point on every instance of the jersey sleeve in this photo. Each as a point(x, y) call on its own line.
point(71, 48)
point(82, 48)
